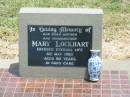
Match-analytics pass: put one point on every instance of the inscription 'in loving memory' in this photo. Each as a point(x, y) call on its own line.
point(59, 45)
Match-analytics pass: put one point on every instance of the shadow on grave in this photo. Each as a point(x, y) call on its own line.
point(14, 69)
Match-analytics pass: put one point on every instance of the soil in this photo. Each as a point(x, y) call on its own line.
point(8, 50)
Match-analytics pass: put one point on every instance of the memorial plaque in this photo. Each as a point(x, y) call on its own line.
point(55, 42)
point(50, 45)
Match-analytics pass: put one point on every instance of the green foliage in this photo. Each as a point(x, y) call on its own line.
point(9, 10)
point(9, 22)
point(115, 6)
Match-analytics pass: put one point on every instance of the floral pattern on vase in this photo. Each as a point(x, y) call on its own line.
point(94, 65)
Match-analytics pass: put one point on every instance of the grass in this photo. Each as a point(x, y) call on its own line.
point(116, 24)
point(116, 13)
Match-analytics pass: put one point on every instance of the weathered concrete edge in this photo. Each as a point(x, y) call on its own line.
point(61, 10)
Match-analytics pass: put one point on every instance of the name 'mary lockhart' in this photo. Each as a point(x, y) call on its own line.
point(59, 44)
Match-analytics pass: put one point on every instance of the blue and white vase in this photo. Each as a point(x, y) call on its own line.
point(94, 65)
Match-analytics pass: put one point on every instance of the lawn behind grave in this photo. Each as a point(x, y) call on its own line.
point(116, 36)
